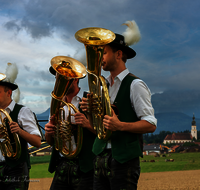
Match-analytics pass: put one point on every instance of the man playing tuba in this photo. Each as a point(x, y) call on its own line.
point(14, 172)
point(75, 173)
point(117, 164)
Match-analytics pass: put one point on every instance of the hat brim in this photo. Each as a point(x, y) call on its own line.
point(52, 71)
point(127, 50)
point(9, 85)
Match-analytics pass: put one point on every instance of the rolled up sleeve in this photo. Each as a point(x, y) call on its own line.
point(141, 101)
point(27, 121)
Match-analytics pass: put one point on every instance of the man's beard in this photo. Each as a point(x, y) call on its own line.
point(70, 90)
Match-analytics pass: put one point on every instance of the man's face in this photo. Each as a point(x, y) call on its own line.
point(4, 97)
point(72, 87)
point(109, 59)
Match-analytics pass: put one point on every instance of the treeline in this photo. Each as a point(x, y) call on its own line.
point(159, 138)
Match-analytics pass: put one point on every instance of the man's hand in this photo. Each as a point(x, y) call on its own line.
point(112, 123)
point(84, 105)
point(80, 119)
point(50, 127)
point(14, 127)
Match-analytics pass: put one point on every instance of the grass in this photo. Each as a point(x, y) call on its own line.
point(182, 161)
point(40, 159)
point(40, 171)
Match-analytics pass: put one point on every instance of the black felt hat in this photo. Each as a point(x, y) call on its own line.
point(6, 82)
point(52, 71)
point(120, 43)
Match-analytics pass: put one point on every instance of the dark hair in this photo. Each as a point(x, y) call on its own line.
point(6, 89)
point(115, 49)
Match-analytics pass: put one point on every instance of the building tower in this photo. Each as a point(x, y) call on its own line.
point(194, 128)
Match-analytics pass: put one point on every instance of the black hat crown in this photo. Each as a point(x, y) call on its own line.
point(120, 44)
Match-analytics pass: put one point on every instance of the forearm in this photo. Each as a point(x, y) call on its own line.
point(49, 138)
point(89, 126)
point(141, 127)
point(34, 140)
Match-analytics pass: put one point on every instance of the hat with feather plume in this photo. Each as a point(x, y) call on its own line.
point(129, 37)
point(10, 76)
point(8, 79)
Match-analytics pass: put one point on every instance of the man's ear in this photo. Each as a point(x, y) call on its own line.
point(9, 92)
point(119, 54)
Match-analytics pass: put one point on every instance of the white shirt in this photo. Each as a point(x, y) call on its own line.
point(140, 97)
point(26, 120)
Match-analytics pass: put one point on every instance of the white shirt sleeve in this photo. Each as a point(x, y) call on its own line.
point(141, 101)
point(27, 121)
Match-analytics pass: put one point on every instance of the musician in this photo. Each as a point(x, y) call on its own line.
point(117, 164)
point(77, 173)
point(14, 173)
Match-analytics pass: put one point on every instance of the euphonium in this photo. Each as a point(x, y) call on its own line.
point(9, 143)
point(94, 40)
point(67, 69)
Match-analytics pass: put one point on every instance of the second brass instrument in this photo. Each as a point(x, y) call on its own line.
point(67, 69)
point(94, 40)
point(10, 144)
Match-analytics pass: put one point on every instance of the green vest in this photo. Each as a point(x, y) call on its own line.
point(85, 157)
point(24, 151)
point(125, 145)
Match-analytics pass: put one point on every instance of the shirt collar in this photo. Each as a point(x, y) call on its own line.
point(120, 76)
point(11, 106)
point(78, 96)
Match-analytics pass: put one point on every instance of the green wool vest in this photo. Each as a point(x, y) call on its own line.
point(85, 157)
point(125, 145)
point(24, 151)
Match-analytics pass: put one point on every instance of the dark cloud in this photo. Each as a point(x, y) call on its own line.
point(12, 25)
point(185, 101)
point(36, 29)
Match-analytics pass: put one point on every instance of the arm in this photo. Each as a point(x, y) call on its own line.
point(32, 139)
point(49, 133)
point(84, 105)
point(80, 119)
point(28, 129)
point(141, 102)
point(114, 124)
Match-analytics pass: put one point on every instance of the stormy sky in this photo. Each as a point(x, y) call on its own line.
point(33, 32)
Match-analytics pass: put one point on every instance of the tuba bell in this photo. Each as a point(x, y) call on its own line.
point(94, 40)
point(67, 69)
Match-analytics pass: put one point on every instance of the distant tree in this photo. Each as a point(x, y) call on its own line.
point(190, 144)
point(159, 138)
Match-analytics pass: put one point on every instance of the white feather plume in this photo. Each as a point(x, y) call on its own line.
point(132, 34)
point(11, 72)
point(16, 95)
point(11, 75)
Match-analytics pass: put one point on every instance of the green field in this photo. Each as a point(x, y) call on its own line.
point(182, 161)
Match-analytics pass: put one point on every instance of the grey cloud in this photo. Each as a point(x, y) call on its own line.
point(12, 25)
point(36, 29)
point(27, 68)
point(185, 101)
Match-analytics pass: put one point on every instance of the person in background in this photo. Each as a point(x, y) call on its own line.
point(76, 173)
point(117, 164)
point(14, 173)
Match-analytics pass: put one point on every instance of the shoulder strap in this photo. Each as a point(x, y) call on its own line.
point(15, 112)
point(39, 127)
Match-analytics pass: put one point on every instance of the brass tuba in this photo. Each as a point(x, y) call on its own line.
point(9, 145)
point(67, 69)
point(94, 40)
